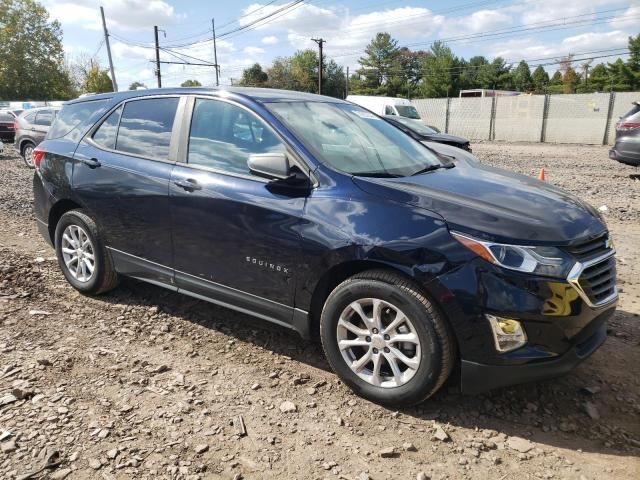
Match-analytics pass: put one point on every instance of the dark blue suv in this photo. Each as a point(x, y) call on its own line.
point(407, 261)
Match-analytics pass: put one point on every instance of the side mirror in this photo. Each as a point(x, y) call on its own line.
point(269, 165)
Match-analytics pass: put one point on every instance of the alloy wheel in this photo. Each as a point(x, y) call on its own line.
point(78, 253)
point(28, 155)
point(378, 342)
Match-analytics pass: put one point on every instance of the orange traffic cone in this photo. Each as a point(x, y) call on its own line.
point(541, 175)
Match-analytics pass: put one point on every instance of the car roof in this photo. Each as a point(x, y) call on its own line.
point(262, 95)
point(37, 109)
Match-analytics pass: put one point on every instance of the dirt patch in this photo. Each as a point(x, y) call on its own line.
point(145, 383)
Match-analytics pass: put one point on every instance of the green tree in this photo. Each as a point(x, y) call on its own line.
point(555, 84)
point(304, 68)
point(136, 84)
point(379, 62)
point(495, 75)
point(440, 72)
point(191, 83)
point(540, 80)
point(599, 79)
point(334, 81)
point(254, 76)
point(32, 62)
point(469, 72)
point(633, 62)
point(621, 76)
point(522, 80)
point(97, 80)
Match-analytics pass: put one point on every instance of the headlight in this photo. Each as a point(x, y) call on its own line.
point(547, 261)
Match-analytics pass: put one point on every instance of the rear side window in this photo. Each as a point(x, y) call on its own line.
point(633, 115)
point(106, 135)
point(44, 118)
point(73, 120)
point(30, 117)
point(145, 127)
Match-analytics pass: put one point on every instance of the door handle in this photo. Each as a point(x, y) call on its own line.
point(189, 184)
point(91, 162)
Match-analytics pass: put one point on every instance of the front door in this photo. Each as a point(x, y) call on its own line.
point(121, 174)
point(234, 239)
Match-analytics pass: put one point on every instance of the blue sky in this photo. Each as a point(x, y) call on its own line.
point(536, 30)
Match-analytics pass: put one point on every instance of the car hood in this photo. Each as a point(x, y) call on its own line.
point(493, 204)
point(444, 137)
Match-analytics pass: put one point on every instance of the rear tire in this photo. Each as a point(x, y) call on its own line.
point(82, 257)
point(362, 354)
point(27, 154)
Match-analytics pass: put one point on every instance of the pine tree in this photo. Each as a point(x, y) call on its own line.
point(540, 79)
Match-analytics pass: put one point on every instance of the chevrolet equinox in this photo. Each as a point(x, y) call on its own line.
point(315, 214)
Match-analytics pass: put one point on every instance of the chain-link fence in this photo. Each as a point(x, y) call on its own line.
point(433, 112)
point(580, 118)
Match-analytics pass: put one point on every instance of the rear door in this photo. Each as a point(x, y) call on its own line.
point(121, 174)
point(41, 124)
point(235, 239)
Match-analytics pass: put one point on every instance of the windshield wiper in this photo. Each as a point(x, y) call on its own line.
point(431, 168)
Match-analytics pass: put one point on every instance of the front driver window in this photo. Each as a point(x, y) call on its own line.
point(388, 110)
point(223, 136)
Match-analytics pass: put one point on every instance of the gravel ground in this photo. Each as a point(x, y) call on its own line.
point(144, 383)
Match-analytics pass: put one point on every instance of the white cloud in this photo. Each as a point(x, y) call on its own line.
point(546, 10)
point(130, 52)
point(480, 21)
point(270, 40)
point(253, 50)
point(628, 19)
point(124, 14)
point(532, 48)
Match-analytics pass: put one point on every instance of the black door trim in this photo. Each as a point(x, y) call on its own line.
point(228, 297)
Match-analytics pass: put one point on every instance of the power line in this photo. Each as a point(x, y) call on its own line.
point(552, 25)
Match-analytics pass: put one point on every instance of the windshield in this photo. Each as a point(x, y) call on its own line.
point(353, 140)
point(408, 111)
point(415, 125)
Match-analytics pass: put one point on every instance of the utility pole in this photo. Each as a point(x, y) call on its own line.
point(347, 87)
point(155, 33)
point(215, 53)
point(106, 41)
point(320, 42)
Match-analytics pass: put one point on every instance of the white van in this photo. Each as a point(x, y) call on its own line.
point(386, 105)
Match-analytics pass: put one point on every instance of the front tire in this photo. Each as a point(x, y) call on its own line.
point(81, 254)
point(385, 339)
point(27, 154)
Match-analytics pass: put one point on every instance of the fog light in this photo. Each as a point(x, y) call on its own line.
point(507, 333)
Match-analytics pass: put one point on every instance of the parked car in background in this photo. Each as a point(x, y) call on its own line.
point(386, 105)
point(31, 127)
point(627, 146)
point(424, 133)
point(7, 126)
point(321, 217)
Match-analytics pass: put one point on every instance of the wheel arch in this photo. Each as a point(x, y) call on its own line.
point(57, 211)
point(23, 143)
point(335, 276)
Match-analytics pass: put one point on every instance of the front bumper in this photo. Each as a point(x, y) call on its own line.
point(477, 377)
point(561, 327)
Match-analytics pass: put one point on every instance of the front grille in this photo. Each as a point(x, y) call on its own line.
point(590, 249)
point(598, 281)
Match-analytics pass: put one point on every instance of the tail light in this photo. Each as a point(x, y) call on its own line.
point(15, 125)
point(627, 125)
point(38, 155)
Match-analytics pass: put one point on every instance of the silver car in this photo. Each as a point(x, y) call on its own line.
point(32, 126)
